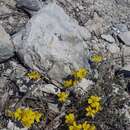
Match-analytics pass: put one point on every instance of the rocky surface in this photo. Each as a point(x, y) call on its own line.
point(56, 37)
point(6, 46)
point(11, 18)
point(124, 37)
point(56, 44)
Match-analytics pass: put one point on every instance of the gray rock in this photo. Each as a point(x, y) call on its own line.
point(3, 94)
point(122, 27)
point(53, 41)
point(53, 107)
point(12, 126)
point(125, 37)
point(95, 25)
point(83, 86)
point(33, 5)
point(4, 10)
point(108, 38)
point(113, 48)
point(6, 46)
point(19, 70)
point(49, 88)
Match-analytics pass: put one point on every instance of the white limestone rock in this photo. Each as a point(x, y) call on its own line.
point(53, 41)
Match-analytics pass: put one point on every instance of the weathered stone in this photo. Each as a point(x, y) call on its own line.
point(53, 41)
point(49, 88)
point(83, 86)
point(125, 37)
point(113, 48)
point(3, 94)
point(4, 10)
point(121, 28)
point(33, 5)
point(95, 25)
point(6, 46)
point(108, 38)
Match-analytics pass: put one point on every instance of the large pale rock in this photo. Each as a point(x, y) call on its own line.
point(6, 46)
point(53, 41)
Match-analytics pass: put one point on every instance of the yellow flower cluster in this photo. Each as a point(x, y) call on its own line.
point(33, 75)
point(96, 58)
point(70, 120)
point(69, 83)
point(87, 126)
point(75, 126)
point(80, 74)
point(62, 96)
point(77, 76)
point(26, 116)
point(94, 106)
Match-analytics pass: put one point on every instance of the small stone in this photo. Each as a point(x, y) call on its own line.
point(4, 10)
point(124, 73)
point(83, 86)
point(108, 38)
point(126, 67)
point(11, 20)
point(95, 25)
point(53, 107)
point(125, 37)
point(33, 5)
point(12, 126)
point(122, 27)
point(113, 48)
point(49, 88)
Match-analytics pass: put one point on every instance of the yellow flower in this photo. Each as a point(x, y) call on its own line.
point(10, 113)
point(87, 126)
point(75, 127)
point(27, 116)
point(68, 83)
point(27, 121)
point(37, 116)
point(18, 114)
point(94, 102)
point(70, 119)
point(90, 112)
point(93, 99)
point(33, 75)
point(96, 106)
point(62, 96)
point(96, 58)
point(80, 74)
point(93, 127)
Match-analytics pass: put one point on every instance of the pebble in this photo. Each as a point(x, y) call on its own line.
point(113, 48)
point(108, 38)
point(121, 27)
